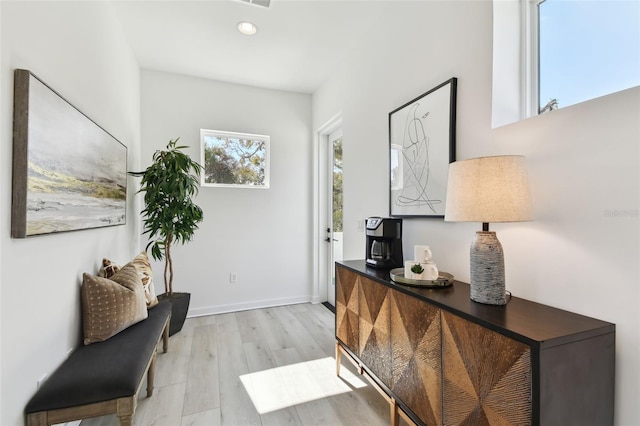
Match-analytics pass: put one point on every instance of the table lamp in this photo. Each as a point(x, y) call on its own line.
point(488, 189)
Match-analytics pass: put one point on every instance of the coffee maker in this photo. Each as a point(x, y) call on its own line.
point(384, 242)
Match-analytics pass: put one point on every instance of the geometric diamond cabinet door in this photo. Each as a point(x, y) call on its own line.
point(347, 307)
point(375, 344)
point(416, 356)
point(486, 376)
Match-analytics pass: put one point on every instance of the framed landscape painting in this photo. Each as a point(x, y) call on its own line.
point(422, 142)
point(68, 172)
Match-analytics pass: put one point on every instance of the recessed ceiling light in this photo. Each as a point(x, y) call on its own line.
point(247, 28)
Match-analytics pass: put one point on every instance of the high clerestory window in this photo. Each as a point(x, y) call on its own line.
point(549, 54)
point(586, 49)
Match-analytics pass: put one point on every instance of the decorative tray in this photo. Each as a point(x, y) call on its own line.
point(444, 279)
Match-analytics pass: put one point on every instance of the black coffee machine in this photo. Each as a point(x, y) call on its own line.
point(384, 242)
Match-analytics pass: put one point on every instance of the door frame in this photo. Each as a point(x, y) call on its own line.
point(321, 249)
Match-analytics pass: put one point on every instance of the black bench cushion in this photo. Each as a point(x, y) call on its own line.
point(105, 370)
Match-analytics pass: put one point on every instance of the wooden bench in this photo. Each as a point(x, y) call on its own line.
point(103, 378)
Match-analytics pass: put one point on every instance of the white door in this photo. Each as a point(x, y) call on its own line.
point(334, 203)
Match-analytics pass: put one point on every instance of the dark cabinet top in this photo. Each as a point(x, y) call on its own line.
point(538, 325)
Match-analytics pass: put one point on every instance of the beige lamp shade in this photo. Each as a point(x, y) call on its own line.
point(488, 189)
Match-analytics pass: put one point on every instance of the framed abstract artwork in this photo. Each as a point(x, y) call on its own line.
point(68, 172)
point(422, 142)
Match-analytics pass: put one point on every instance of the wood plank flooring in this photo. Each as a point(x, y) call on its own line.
point(273, 366)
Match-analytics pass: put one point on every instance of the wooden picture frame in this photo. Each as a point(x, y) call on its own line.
point(422, 142)
point(68, 172)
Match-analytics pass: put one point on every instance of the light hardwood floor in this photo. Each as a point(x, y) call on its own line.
point(273, 366)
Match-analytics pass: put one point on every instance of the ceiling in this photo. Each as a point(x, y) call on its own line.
point(298, 46)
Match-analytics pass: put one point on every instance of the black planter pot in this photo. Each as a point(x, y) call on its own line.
point(179, 307)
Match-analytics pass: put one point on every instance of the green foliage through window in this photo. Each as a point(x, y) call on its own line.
point(235, 159)
point(337, 185)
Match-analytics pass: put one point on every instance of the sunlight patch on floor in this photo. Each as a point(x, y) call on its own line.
point(294, 384)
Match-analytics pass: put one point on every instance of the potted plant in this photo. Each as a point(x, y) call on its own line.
point(416, 271)
point(170, 215)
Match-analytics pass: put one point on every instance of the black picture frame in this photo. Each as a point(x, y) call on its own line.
point(422, 143)
point(68, 172)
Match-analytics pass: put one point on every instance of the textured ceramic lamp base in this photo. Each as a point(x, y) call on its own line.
point(487, 269)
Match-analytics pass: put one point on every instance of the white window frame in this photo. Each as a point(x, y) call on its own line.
point(516, 68)
point(235, 135)
point(530, 57)
point(515, 61)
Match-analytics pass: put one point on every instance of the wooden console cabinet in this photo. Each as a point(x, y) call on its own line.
point(441, 359)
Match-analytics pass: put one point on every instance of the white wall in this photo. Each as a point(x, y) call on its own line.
point(78, 49)
point(263, 235)
point(581, 253)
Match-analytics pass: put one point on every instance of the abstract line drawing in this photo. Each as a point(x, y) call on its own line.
point(422, 144)
point(415, 153)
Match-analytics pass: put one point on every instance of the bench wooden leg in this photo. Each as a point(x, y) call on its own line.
point(126, 408)
point(151, 372)
point(126, 420)
point(165, 337)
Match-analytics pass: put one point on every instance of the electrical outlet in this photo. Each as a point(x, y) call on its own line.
point(233, 277)
point(360, 225)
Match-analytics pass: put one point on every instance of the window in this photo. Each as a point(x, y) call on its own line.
point(337, 183)
point(586, 49)
point(555, 53)
point(230, 159)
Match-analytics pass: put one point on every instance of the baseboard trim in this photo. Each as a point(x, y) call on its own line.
point(237, 307)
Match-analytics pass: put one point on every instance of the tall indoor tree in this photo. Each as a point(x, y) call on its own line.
point(170, 215)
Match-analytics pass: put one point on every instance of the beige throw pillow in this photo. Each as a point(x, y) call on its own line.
point(141, 262)
point(143, 265)
point(108, 268)
point(110, 305)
